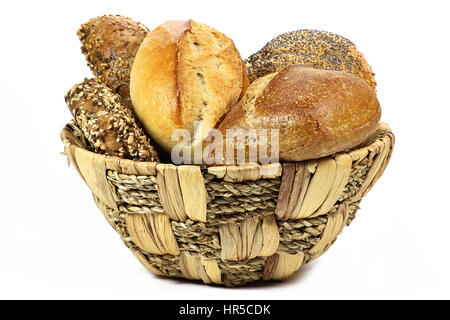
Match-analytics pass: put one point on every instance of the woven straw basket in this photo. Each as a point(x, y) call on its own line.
point(230, 225)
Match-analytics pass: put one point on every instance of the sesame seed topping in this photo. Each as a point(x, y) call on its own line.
point(107, 124)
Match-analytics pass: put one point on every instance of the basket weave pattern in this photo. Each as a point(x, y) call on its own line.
point(230, 225)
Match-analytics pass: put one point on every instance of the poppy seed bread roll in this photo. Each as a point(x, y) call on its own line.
point(110, 44)
point(318, 49)
point(184, 72)
point(317, 112)
point(106, 123)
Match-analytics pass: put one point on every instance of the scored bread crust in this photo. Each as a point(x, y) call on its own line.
point(153, 81)
point(317, 112)
point(319, 49)
point(109, 44)
point(209, 66)
point(183, 72)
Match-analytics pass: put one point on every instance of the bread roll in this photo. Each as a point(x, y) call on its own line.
point(183, 72)
point(319, 49)
point(108, 125)
point(317, 112)
point(110, 44)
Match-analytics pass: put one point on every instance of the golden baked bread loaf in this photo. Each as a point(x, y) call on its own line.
point(110, 44)
point(317, 112)
point(318, 49)
point(107, 125)
point(183, 72)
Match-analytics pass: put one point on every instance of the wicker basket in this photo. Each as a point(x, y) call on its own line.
point(230, 225)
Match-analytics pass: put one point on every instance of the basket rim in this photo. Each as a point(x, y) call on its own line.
point(72, 145)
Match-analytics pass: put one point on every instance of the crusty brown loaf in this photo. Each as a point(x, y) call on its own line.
point(319, 49)
point(110, 44)
point(108, 125)
point(185, 71)
point(317, 112)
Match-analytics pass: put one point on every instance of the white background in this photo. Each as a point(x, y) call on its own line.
point(54, 243)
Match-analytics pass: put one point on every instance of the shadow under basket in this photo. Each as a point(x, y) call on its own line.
point(230, 225)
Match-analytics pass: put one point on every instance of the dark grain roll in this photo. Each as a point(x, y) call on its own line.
point(110, 44)
point(109, 127)
point(318, 49)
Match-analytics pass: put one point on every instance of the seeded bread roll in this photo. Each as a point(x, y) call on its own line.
point(317, 112)
point(318, 49)
point(108, 126)
point(110, 44)
point(184, 72)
